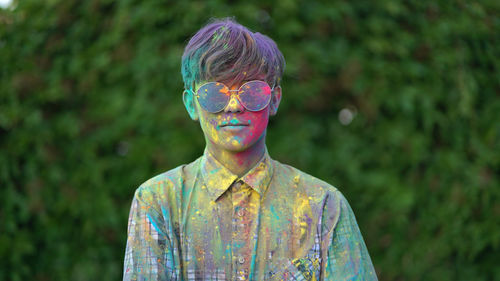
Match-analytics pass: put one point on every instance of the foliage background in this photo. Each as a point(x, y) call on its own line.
point(90, 108)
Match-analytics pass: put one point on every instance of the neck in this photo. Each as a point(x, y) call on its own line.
point(239, 162)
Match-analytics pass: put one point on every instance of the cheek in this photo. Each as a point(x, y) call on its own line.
point(209, 121)
point(259, 124)
point(210, 127)
point(212, 122)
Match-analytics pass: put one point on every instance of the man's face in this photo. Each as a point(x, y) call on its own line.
point(234, 128)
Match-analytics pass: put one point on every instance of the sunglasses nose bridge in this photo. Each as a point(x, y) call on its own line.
point(234, 104)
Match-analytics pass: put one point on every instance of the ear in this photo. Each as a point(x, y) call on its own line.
point(189, 103)
point(275, 101)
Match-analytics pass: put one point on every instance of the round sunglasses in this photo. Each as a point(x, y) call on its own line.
point(253, 95)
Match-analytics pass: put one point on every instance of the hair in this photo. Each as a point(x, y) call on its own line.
point(225, 51)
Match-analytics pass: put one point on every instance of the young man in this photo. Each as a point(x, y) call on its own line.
point(234, 213)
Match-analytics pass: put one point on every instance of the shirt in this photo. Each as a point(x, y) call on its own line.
point(201, 222)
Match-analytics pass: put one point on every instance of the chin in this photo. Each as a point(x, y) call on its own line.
point(234, 146)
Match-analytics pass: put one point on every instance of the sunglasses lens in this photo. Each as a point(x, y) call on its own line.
point(255, 95)
point(213, 96)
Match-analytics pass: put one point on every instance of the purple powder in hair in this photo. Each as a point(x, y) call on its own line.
point(225, 51)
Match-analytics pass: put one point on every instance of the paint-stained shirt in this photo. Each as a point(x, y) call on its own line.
point(201, 222)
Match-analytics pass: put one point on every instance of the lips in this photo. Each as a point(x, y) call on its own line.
point(233, 123)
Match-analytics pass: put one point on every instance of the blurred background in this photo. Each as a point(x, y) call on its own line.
point(396, 103)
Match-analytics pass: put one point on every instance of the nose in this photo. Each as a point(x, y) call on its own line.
point(234, 104)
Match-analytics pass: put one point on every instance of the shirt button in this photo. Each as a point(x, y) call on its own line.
point(241, 260)
point(241, 212)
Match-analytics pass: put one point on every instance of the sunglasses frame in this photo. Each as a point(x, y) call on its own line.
point(232, 92)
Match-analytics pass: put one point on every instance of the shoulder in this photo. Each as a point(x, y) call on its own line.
point(323, 198)
point(314, 187)
point(165, 187)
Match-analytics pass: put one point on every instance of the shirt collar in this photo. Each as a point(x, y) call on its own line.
point(218, 179)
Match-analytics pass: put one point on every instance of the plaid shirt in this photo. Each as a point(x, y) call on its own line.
point(201, 222)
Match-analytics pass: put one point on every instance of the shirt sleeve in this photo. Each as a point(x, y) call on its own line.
point(347, 257)
point(148, 255)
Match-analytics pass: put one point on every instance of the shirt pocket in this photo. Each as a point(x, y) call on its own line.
point(299, 269)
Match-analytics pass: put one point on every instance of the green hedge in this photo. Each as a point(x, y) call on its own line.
point(90, 107)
